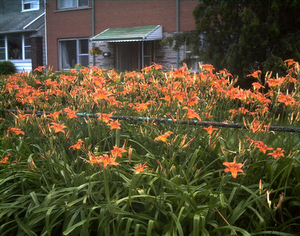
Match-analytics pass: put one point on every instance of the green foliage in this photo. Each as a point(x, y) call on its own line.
point(7, 68)
point(245, 35)
point(50, 187)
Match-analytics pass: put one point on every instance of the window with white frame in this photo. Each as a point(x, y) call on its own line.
point(27, 46)
point(15, 47)
point(72, 52)
point(30, 5)
point(2, 47)
point(64, 4)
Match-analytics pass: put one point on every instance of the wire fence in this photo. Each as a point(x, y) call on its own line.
point(286, 137)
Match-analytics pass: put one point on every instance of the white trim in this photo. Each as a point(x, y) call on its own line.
point(23, 46)
point(31, 22)
point(72, 7)
point(6, 48)
point(31, 9)
point(77, 51)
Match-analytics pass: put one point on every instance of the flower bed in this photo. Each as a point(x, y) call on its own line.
point(95, 152)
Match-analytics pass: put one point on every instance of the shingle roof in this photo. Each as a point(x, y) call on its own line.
point(15, 22)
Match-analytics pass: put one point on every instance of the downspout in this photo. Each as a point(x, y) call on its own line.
point(177, 30)
point(143, 65)
point(46, 50)
point(93, 28)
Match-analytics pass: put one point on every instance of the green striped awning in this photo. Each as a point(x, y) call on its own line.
point(143, 33)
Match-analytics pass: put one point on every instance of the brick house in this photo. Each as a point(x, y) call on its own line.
point(22, 33)
point(127, 32)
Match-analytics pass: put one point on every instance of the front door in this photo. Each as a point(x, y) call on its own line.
point(133, 55)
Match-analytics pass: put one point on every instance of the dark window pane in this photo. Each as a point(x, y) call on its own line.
point(2, 53)
point(27, 52)
point(2, 41)
point(84, 60)
point(27, 6)
point(147, 61)
point(147, 48)
point(82, 3)
point(27, 40)
point(14, 42)
point(68, 55)
point(83, 46)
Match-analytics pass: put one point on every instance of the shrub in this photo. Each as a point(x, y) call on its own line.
point(7, 67)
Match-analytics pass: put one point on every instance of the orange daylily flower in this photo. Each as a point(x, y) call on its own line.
point(163, 137)
point(21, 116)
point(104, 159)
point(179, 95)
point(277, 153)
point(243, 110)
point(117, 152)
point(58, 127)
point(104, 117)
point(107, 160)
point(102, 94)
point(191, 114)
point(78, 145)
point(287, 99)
point(207, 67)
point(54, 115)
point(255, 74)
point(70, 113)
point(166, 98)
point(16, 130)
point(262, 147)
point(141, 106)
point(114, 125)
point(275, 82)
point(94, 159)
point(290, 62)
point(233, 167)
point(5, 159)
point(146, 69)
point(193, 101)
point(210, 129)
point(40, 68)
point(140, 167)
point(257, 85)
point(156, 66)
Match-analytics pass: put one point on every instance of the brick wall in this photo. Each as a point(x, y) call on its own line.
point(115, 14)
point(36, 51)
point(123, 14)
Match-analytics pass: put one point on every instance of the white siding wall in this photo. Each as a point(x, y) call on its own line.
point(22, 65)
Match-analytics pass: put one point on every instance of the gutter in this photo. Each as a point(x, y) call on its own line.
point(17, 31)
point(31, 22)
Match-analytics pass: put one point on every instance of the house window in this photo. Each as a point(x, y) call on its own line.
point(30, 5)
point(15, 47)
point(191, 60)
point(147, 53)
point(62, 4)
point(2, 47)
point(27, 47)
point(14, 43)
point(72, 52)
